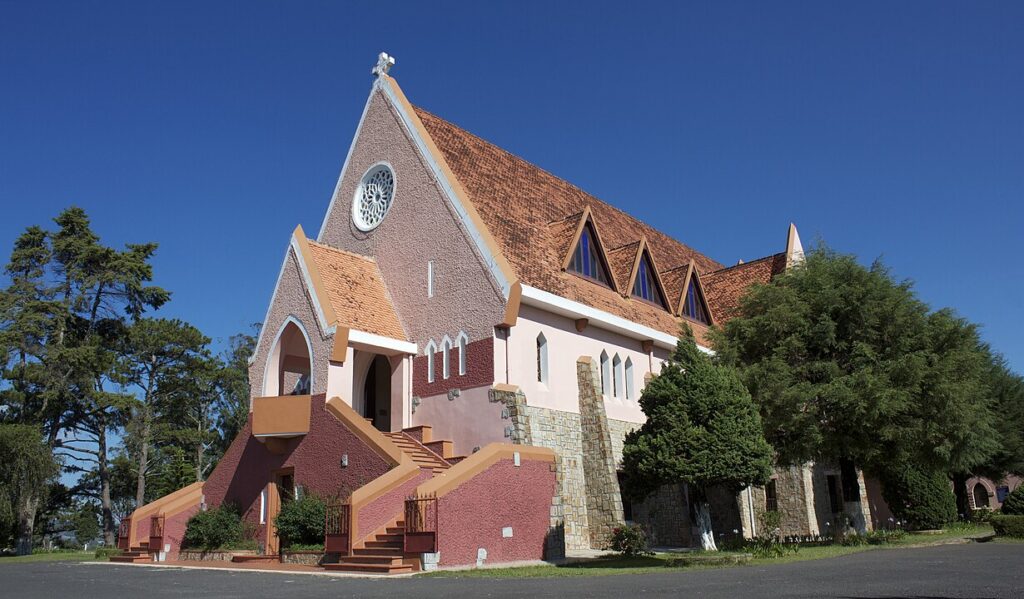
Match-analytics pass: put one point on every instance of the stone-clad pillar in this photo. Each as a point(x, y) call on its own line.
point(604, 502)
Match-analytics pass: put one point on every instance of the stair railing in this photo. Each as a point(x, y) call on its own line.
point(124, 530)
point(421, 524)
point(156, 533)
point(336, 528)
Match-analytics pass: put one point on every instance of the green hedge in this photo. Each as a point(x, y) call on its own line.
point(215, 528)
point(1008, 526)
point(301, 521)
point(924, 500)
point(1014, 502)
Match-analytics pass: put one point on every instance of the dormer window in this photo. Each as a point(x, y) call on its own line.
point(693, 304)
point(645, 286)
point(586, 260)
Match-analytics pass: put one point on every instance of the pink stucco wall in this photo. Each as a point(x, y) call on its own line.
point(174, 531)
point(248, 466)
point(388, 507)
point(469, 420)
point(291, 299)
point(420, 226)
point(473, 515)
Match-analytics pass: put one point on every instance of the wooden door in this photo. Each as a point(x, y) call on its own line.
point(272, 544)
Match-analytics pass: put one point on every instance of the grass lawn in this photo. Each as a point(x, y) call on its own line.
point(657, 563)
point(54, 556)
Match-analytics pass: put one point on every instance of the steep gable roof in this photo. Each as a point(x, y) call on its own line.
point(356, 291)
point(725, 287)
point(528, 211)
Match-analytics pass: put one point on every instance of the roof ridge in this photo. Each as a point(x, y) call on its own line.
point(755, 261)
point(565, 181)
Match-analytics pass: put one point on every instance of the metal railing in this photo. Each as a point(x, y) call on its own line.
point(421, 524)
point(124, 529)
point(156, 533)
point(336, 528)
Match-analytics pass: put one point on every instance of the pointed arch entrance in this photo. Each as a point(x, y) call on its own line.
point(289, 367)
point(372, 384)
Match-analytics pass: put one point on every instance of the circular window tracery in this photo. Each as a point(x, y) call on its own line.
point(373, 197)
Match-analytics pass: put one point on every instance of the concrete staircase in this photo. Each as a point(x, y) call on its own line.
point(383, 555)
point(135, 555)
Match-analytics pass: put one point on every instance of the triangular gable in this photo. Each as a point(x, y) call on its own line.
point(644, 277)
point(589, 258)
point(692, 301)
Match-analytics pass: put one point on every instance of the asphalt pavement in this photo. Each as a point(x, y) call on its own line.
point(981, 571)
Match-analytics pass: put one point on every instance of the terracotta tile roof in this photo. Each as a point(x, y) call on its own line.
point(621, 261)
point(674, 280)
point(356, 290)
point(522, 206)
point(723, 288)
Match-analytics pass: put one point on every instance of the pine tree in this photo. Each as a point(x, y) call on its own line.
point(702, 429)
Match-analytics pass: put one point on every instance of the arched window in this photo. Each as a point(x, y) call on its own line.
point(629, 378)
point(288, 369)
point(542, 359)
point(446, 363)
point(430, 350)
point(617, 376)
point(980, 496)
point(606, 374)
point(461, 341)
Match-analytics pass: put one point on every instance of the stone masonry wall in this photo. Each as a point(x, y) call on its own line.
point(604, 500)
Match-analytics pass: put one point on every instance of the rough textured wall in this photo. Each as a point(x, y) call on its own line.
point(665, 516)
point(174, 531)
point(421, 225)
point(792, 501)
point(604, 500)
point(561, 431)
point(292, 299)
point(390, 506)
point(470, 420)
point(618, 430)
point(248, 466)
point(479, 369)
point(473, 515)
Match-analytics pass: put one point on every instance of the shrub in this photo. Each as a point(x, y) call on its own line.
point(630, 540)
point(883, 537)
point(1014, 502)
point(215, 528)
point(301, 521)
point(924, 500)
point(1008, 525)
point(105, 552)
point(981, 515)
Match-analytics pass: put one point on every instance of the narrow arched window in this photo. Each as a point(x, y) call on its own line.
point(430, 350)
point(462, 341)
point(617, 376)
point(606, 374)
point(629, 378)
point(542, 359)
point(446, 364)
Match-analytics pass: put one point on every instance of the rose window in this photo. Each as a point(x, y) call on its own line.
point(373, 197)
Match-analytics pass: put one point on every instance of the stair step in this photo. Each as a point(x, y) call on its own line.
point(371, 568)
point(392, 560)
point(383, 544)
point(239, 559)
point(399, 551)
point(395, 530)
point(391, 537)
point(130, 559)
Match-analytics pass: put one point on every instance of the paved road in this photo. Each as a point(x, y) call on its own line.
point(977, 571)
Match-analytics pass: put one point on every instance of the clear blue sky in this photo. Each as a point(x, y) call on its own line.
point(892, 129)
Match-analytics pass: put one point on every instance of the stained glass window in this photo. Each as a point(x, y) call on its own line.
point(586, 260)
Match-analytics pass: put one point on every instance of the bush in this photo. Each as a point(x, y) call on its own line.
point(1014, 502)
point(923, 500)
point(1008, 525)
point(630, 540)
point(105, 552)
point(215, 528)
point(883, 537)
point(301, 521)
point(981, 516)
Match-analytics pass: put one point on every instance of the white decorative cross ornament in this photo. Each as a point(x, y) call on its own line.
point(384, 64)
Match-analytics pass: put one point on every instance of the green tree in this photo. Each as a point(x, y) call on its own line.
point(156, 356)
point(848, 366)
point(69, 302)
point(25, 471)
point(234, 387)
point(702, 429)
